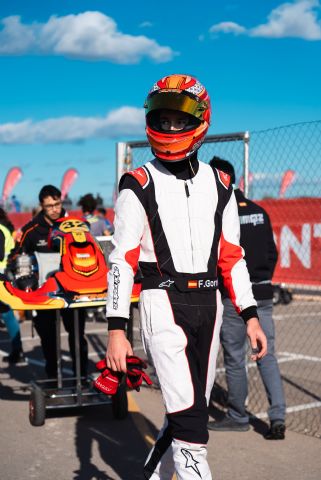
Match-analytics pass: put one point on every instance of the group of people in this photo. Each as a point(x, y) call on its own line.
point(202, 260)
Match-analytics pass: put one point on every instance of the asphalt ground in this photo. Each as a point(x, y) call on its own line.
point(88, 443)
point(298, 334)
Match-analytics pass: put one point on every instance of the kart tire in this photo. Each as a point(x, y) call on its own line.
point(120, 403)
point(286, 297)
point(276, 295)
point(37, 408)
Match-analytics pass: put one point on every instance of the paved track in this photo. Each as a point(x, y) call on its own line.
point(89, 444)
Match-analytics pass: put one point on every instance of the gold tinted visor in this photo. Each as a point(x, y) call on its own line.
point(176, 101)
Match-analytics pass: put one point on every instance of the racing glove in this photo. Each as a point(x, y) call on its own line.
point(135, 373)
point(108, 381)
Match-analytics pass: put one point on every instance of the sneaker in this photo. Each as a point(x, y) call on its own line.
point(228, 425)
point(276, 431)
point(16, 356)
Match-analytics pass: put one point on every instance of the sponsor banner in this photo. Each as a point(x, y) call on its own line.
point(287, 179)
point(297, 230)
point(69, 178)
point(12, 178)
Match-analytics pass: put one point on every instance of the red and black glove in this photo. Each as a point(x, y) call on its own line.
point(108, 381)
point(135, 373)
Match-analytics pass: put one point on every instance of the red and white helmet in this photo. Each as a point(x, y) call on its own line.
point(181, 93)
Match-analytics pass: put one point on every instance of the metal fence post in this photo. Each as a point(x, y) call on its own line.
point(123, 159)
point(246, 162)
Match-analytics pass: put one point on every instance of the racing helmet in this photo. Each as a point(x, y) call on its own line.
point(180, 93)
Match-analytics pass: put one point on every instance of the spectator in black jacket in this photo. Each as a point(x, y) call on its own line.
point(261, 257)
point(34, 238)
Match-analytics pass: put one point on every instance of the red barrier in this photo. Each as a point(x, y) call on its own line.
point(297, 228)
point(19, 219)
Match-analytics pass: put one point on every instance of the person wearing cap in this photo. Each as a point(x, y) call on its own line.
point(176, 220)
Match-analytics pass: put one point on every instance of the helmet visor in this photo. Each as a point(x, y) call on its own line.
point(176, 101)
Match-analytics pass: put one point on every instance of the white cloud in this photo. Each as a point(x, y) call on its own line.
point(227, 27)
point(86, 36)
point(146, 24)
point(126, 121)
point(298, 20)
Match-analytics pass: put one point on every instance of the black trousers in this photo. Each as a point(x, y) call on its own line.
point(45, 325)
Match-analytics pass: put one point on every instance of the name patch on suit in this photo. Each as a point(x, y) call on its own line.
point(254, 219)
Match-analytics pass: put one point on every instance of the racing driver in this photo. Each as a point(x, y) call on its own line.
point(177, 219)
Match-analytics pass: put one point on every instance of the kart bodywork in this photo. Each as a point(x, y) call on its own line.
point(79, 279)
point(74, 276)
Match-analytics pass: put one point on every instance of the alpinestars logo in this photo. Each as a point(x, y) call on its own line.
point(167, 284)
point(190, 461)
point(42, 243)
point(115, 291)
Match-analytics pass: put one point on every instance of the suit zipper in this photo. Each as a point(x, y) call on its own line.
point(189, 219)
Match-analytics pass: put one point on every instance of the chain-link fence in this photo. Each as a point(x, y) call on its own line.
point(285, 176)
point(280, 168)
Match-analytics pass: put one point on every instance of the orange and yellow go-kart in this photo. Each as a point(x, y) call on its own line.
point(79, 278)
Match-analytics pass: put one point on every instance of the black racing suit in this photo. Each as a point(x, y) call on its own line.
point(180, 224)
point(34, 238)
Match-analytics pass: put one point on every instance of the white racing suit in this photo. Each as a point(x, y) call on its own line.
point(178, 232)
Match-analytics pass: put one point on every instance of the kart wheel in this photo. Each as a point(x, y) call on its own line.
point(120, 403)
point(37, 408)
point(276, 295)
point(286, 297)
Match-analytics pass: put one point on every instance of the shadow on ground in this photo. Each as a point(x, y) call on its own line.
point(119, 443)
point(218, 407)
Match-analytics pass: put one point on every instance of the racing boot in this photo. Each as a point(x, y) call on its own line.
point(190, 461)
point(165, 468)
point(159, 464)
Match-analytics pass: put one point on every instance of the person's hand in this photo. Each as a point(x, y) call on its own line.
point(257, 339)
point(118, 347)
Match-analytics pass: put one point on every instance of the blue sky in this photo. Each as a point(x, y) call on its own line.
point(74, 75)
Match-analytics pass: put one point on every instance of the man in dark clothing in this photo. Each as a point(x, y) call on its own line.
point(34, 238)
point(261, 257)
